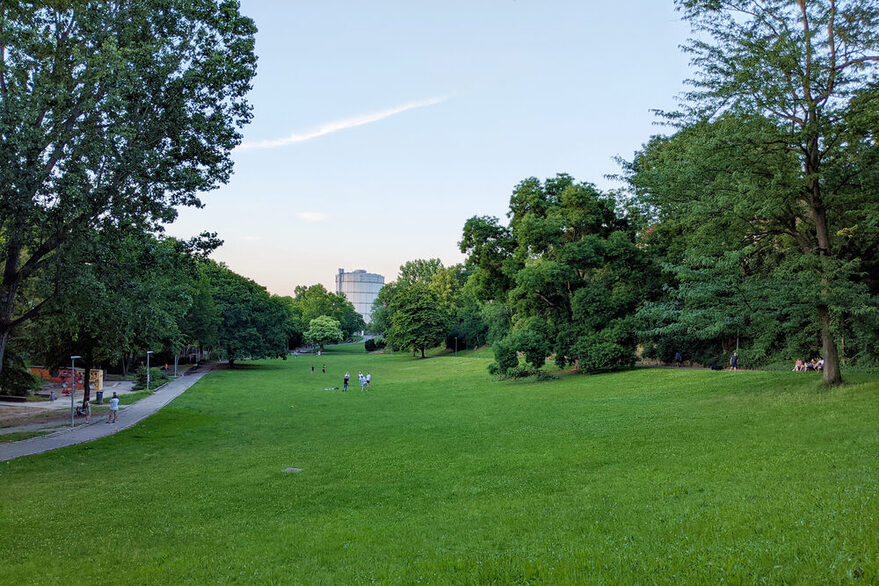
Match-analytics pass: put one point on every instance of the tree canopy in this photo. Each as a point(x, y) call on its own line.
point(113, 114)
point(775, 162)
point(324, 330)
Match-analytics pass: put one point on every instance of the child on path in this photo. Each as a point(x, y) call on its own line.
point(114, 409)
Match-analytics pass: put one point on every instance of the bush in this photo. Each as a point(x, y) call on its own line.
point(374, 344)
point(505, 357)
point(157, 378)
point(16, 379)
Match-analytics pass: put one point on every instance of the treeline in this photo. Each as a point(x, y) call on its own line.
point(752, 225)
point(144, 293)
point(596, 280)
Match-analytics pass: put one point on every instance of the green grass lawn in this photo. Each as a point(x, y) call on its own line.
point(440, 474)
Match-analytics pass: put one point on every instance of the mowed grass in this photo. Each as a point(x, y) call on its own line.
point(440, 474)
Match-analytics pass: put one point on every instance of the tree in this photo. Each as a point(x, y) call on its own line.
point(806, 68)
point(324, 330)
point(130, 296)
point(417, 322)
point(315, 301)
point(201, 324)
point(419, 270)
point(489, 248)
point(254, 323)
point(574, 272)
point(113, 114)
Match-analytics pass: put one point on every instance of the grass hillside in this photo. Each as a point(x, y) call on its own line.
point(440, 474)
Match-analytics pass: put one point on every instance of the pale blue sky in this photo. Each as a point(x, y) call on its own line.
point(380, 127)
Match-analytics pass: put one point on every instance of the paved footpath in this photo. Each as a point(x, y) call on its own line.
point(129, 415)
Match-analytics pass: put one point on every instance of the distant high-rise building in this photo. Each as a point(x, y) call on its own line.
point(361, 289)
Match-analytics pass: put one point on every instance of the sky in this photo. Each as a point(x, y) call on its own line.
point(380, 127)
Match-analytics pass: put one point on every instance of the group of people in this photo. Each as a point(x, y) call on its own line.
point(85, 410)
point(816, 365)
point(364, 381)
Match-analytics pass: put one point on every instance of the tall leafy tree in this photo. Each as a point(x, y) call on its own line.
point(417, 321)
point(315, 301)
point(324, 330)
point(112, 114)
point(807, 69)
point(575, 276)
point(254, 323)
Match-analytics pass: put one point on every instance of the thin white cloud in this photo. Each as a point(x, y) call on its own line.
point(312, 216)
point(250, 238)
point(338, 125)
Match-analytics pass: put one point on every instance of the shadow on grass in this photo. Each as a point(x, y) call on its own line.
point(269, 364)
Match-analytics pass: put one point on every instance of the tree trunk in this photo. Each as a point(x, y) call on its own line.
point(4, 337)
point(8, 289)
point(422, 352)
point(832, 374)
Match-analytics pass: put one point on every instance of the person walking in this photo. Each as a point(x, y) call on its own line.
point(368, 378)
point(734, 361)
point(114, 409)
point(87, 410)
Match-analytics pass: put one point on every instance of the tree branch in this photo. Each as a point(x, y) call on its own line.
point(851, 62)
point(33, 311)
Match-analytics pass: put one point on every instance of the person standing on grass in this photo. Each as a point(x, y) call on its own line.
point(347, 377)
point(312, 369)
point(114, 409)
point(345, 385)
point(324, 368)
point(734, 361)
point(678, 359)
point(368, 378)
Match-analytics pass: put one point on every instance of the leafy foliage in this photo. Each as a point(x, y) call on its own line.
point(113, 114)
point(417, 321)
point(574, 272)
point(254, 323)
point(324, 330)
point(774, 167)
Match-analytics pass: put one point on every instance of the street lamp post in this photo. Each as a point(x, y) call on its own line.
point(72, 387)
point(148, 369)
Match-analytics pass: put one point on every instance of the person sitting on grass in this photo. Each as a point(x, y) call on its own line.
point(819, 366)
point(799, 366)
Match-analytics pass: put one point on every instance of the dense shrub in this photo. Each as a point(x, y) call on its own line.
point(157, 378)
